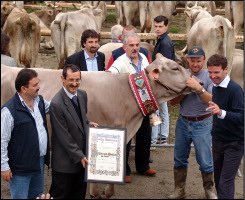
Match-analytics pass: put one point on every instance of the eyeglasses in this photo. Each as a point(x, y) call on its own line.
point(72, 80)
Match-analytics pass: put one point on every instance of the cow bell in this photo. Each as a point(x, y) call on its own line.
point(155, 119)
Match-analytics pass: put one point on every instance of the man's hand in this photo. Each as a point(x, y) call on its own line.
point(6, 175)
point(214, 108)
point(93, 124)
point(194, 84)
point(84, 161)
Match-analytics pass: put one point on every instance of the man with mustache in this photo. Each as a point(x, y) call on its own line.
point(88, 59)
point(131, 62)
point(24, 138)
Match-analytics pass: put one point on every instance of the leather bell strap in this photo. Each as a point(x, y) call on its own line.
point(142, 92)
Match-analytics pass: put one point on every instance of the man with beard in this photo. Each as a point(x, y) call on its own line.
point(88, 59)
point(131, 62)
point(24, 138)
point(70, 127)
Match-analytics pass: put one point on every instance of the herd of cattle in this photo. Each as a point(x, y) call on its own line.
point(214, 33)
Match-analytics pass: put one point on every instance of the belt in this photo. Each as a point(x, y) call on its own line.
point(197, 118)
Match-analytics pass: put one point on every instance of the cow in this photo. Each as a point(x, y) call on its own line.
point(210, 6)
point(24, 32)
point(234, 12)
point(67, 28)
point(46, 16)
point(111, 101)
point(214, 35)
point(111, 46)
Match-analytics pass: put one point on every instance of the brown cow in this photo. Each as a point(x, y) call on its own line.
point(111, 101)
point(24, 32)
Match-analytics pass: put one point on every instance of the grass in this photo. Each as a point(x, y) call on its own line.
point(174, 30)
point(111, 18)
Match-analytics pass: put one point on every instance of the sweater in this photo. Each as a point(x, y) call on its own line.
point(230, 99)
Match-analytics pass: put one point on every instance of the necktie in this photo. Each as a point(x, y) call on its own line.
point(74, 99)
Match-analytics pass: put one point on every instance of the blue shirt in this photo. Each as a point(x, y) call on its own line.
point(92, 64)
point(137, 68)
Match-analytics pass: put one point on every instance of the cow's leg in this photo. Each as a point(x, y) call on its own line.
point(109, 191)
point(94, 191)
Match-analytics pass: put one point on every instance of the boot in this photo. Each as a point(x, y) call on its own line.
point(208, 184)
point(179, 184)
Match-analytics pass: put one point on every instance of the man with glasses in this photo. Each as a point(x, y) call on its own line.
point(69, 129)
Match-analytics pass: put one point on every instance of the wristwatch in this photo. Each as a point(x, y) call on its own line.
point(202, 91)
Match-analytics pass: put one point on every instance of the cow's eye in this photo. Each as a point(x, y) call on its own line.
point(176, 69)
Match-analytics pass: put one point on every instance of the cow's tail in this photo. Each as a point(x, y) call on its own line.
point(227, 32)
point(62, 41)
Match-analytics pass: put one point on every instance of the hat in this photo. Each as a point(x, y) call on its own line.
point(195, 52)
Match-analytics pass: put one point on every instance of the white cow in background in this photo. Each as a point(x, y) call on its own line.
point(67, 29)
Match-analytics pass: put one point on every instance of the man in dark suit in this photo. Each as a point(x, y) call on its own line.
point(69, 129)
point(88, 59)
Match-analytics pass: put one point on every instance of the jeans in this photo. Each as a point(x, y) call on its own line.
point(28, 186)
point(161, 130)
point(198, 132)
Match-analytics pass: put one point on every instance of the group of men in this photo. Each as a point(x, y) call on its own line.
point(211, 117)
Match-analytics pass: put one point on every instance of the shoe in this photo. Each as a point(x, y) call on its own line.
point(152, 148)
point(164, 141)
point(150, 172)
point(128, 179)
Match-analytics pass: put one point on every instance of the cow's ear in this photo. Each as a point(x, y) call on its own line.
point(97, 11)
point(50, 12)
point(154, 74)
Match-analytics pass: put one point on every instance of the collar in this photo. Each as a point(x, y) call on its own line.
point(24, 103)
point(69, 94)
point(224, 83)
point(88, 57)
point(140, 57)
point(163, 35)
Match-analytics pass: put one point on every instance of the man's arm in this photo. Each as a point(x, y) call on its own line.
point(7, 125)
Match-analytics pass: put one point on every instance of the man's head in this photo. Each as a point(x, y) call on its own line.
point(27, 83)
point(116, 32)
point(90, 40)
point(196, 59)
point(71, 77)
point(128, 29)
point(160, 24)
point(217, 68)
point(131, 44)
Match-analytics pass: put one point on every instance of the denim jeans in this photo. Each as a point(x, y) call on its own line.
point(29, 186)
point(161, 130)
point(198, 132)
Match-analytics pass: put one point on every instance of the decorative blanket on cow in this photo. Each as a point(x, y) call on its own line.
point(142, 92)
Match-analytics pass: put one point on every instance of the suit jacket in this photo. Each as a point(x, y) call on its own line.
point(79, 60)
point(68, 132)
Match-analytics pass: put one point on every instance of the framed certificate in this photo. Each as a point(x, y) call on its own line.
point(106, 153)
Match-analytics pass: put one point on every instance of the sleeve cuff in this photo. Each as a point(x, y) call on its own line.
point(223, 114)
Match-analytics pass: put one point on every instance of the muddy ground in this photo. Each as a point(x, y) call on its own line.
point(142, 187)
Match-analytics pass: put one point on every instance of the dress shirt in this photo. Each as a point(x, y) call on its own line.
point(7, 126)
point(69, 94)
point(137, 68)
point(92, 64)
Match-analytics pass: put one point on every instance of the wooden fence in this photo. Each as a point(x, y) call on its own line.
point(145, 36)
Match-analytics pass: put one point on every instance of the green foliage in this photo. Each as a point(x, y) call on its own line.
point(110, 17)
point(174, 30)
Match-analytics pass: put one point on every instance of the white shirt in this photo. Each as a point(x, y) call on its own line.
point(223, 84)
point(7, 126)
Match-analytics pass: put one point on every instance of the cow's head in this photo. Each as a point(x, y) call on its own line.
point(167, 79)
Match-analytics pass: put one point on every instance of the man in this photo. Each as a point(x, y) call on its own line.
point(24, 138)
point(116, 33)
point(88, 59)
point(131, 62)
point(69, 129)
point(227, 106)
point(164, 46)
point(194, 125)
point(120, 51)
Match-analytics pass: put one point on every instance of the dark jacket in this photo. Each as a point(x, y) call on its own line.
point(164, 46)
point(23, 147)
point(79, 60)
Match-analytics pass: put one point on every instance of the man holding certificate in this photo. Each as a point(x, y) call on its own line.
point(69, 131)
point(131, 62)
